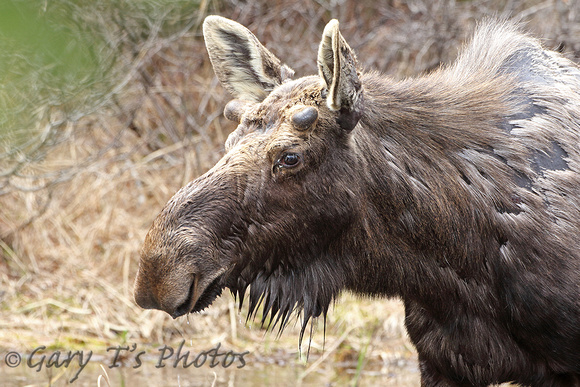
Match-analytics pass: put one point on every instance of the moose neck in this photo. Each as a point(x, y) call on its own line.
point(420, 211)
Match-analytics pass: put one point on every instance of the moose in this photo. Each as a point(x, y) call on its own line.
point(457, 191)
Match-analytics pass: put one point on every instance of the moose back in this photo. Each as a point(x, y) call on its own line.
point(457, 191)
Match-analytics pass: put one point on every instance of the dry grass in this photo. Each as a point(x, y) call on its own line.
point(73, 219)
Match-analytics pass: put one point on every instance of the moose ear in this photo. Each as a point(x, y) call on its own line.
point(337, 66)
point(244, 67)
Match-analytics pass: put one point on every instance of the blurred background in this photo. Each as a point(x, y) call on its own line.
point(109, 107)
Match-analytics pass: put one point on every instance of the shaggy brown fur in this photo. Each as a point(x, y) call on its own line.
point(458, 192)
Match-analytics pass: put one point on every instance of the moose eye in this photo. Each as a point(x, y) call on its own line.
point(288, 160)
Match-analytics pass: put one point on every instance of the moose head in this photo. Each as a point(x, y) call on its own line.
point(270, 215)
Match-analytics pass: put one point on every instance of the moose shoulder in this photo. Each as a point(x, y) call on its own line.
point(458, 192)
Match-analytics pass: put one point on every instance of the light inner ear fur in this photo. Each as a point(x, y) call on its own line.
point(328, 62)
point(337, 66)
point(242, 64)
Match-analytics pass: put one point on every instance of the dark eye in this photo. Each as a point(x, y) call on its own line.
point(288, 160)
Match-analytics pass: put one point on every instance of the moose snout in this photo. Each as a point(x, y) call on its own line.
point(173, 297)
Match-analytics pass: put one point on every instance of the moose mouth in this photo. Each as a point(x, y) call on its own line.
point(194, 304)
